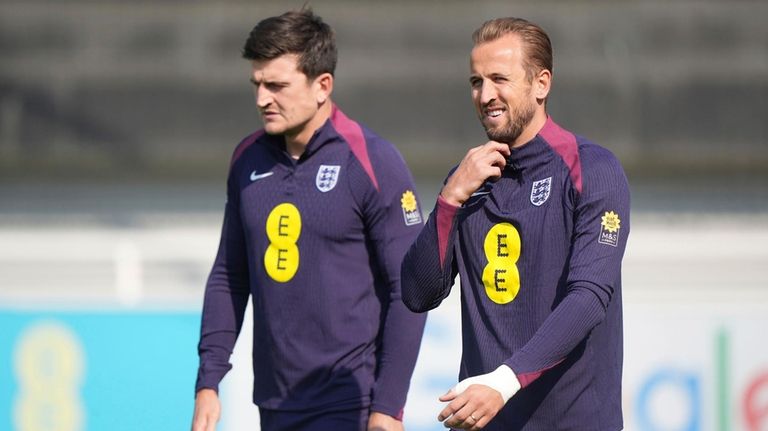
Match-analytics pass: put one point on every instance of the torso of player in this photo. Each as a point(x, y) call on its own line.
point(311, 231)
point(514, 243)
point(305, 235)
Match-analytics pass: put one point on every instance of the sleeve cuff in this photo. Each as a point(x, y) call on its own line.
point(445, 205)
point(208, 380)
point(397, 414)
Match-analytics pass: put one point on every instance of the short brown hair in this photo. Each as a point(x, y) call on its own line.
point(295, 32)
point(536, 44)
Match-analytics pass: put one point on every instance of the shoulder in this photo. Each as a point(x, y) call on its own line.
point(602, 174)
point(380, 149)
point(597, 160)
point(245, 144)
point(361, 140)
point(586, 161)
point(375, 155)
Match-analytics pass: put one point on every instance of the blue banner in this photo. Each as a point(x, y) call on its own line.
point(92, 370)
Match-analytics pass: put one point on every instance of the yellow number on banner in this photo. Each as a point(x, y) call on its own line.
point(49, 367)
point(500, 276)
point(281, 259)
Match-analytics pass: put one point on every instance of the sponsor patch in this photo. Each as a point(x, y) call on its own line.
point(610, 226)
point(327, 177)
point(540, 191)
point(410, 206)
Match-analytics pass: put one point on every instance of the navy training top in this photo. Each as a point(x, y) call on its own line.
point(539, 256)
point(317, 242)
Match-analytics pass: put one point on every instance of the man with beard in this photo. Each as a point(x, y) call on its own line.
point(535, 222)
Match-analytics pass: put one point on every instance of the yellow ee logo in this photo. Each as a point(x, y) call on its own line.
point(501, 277)
point(281, 260)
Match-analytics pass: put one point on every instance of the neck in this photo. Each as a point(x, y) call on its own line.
point(296, 143)
point(532, 129)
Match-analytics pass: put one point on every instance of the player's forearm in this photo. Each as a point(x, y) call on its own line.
point(427, 271)
point(568, 325)
point(222, 318)
point(226, 296)
point(401, 339)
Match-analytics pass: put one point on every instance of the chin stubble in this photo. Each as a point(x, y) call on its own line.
point(513, 129)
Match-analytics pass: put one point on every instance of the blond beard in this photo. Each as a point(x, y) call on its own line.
point(512, 130)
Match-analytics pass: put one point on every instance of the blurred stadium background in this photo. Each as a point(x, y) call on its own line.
point(117, 121)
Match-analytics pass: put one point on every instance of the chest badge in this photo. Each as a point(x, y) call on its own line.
point(540, 191)
point(327, 177)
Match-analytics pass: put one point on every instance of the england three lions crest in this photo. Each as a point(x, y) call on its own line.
point(327, 177)
point(540, 191)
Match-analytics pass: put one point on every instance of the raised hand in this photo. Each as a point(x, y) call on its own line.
point(480, 163)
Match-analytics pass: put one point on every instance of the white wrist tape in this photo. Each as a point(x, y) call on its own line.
point(502, 379)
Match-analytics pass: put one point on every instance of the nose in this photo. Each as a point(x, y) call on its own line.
point(263, 96)
point(487, 92)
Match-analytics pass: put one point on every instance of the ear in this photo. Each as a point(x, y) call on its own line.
point(542, 82)
point(323, 87)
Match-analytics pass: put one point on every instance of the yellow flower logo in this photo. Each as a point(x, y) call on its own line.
point(611, 221)
point(408, 201)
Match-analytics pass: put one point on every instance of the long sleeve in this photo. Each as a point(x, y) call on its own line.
point(429, 268)
point(392, 224)
point(226, 296)
point(601, 229)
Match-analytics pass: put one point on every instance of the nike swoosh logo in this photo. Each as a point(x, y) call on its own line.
point(255, 176)
point(479, 193)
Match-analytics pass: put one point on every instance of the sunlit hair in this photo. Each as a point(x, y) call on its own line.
point(536, 44)
point(295, 32)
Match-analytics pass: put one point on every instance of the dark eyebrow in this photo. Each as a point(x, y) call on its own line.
point(278, 83)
